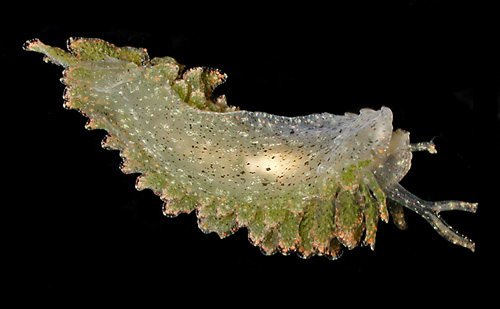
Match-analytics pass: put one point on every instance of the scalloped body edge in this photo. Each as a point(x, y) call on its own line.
point(310, 184)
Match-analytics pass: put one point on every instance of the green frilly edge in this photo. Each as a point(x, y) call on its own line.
point(194, 86)
point(345, 214)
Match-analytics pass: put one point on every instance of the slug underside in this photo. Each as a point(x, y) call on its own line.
point(310, 184)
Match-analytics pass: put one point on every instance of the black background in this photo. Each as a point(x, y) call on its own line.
point(80, 225)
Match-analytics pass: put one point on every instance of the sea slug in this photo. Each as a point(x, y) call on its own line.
point(310, 184)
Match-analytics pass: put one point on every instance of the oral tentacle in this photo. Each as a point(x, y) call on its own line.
point(430, 212)
point(424, 146)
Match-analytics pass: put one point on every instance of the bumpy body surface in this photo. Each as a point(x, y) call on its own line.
point(310, 184)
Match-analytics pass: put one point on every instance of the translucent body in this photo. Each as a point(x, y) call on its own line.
point(310, 184)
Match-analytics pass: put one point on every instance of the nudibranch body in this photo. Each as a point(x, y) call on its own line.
point(309, 184)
